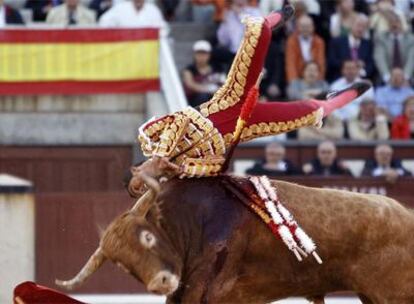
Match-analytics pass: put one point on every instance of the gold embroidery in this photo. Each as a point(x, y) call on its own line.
point(233, 88)
point(196, 167)
point(171, 136)
point(273, 128)
point(185, 136)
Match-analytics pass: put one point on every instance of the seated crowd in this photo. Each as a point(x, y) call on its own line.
point(326, 163)
point(331, 45)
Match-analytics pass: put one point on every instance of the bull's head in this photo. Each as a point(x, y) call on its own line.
point(138, 246)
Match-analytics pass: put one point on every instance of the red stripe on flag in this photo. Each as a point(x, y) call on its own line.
point(79, 87)
point(77, 35)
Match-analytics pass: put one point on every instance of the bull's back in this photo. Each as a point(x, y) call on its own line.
point(335, 214)
point(362, 231)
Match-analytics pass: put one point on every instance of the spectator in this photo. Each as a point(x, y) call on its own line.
point(220, 7)
point(404, 6)
point(40, 8)
point(274, 163)
point(300, 10)
point(231, 30)
point(326, 163)
point(304, 46)
point(350, 75)
point(135, 13)
point(403, 125)
point(332, 129)
point(71, 12)
point(273, 82)
point(100, 6)
point(9, 16)
point(267, 6)
point(310, 85)
point(394, 49)
point(384, 164)
point(341, 22)
point(353, 46)
point(391, 96)
point(385, 12)
point(370, 123)
point(168, 8)
point(201, 79)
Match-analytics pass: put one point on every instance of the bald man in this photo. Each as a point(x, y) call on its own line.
point(304, 46)
point(326, 162)
point(384, 164)
point(274, 163)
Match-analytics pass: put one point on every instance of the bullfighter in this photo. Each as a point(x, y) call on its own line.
point(194, 142)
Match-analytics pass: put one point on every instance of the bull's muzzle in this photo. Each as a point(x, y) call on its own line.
point(164, 283)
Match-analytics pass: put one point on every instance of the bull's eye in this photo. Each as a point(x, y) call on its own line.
point(147, 239)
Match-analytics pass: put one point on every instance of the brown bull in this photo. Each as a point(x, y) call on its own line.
point(197, 243)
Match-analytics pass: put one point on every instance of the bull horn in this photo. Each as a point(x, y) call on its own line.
point(142, 206)
point(94, 262)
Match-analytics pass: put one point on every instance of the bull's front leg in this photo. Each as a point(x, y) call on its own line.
point(190, 293)
point(198, 287)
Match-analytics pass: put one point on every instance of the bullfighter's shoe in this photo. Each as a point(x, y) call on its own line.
point(197, 139)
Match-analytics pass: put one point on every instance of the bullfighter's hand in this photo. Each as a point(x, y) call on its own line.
point(157, 167)
point(18, 300)
point(167, 166)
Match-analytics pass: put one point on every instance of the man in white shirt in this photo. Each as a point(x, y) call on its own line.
point(231, 31)
point(134, 13)
point(350, 75)
point(306, 30)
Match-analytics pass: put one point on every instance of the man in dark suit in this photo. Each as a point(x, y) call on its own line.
point(326, 162)
point(354, 47)
point(9, 16)
point(274, 164)
point(41, 8)
point(384, 164)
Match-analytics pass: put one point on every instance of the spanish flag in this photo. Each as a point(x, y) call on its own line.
point(78, 61)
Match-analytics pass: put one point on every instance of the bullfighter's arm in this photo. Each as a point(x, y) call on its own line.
point(247, 64)
point(272, 118)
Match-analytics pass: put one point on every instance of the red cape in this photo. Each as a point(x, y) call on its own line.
point(31, 293)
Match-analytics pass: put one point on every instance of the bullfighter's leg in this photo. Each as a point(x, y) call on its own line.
point(247, 64)
point(272, 118)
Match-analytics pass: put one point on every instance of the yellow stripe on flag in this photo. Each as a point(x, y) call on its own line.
point(79, 61)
